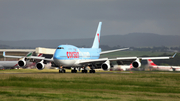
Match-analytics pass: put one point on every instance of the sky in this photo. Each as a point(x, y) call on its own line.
point(69, 19)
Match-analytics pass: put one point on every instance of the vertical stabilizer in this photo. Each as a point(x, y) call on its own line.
point(97, 37)
point(131, 66)
point(151, 63)
point(29, 54)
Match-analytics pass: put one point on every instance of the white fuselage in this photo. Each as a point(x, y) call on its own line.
point(163, 68)
point(8, 64)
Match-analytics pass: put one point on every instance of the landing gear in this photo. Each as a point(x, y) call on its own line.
point(62, 70)
point(92, 71)
point(84, 71)
point(74, 70)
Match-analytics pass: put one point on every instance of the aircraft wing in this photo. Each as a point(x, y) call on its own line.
point(123, 59)
point(13, 56)
point(40, 58)
point(92, 61)
point(155, 58)
point(9, 56)
point(104, 52)
point(29, 55)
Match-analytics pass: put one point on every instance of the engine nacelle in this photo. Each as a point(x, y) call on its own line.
point(40, 66)
point(106, 65)
point(136, 63)
point(22, 63)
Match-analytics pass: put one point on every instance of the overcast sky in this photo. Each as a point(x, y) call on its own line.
point(64, 19)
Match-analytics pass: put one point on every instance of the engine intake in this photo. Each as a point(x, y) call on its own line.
point(22, 63)
point(136, 63)
point(106, 65)
point(40, 66)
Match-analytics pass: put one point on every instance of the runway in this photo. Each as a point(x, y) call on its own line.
point(34, 71)
point(63, 73)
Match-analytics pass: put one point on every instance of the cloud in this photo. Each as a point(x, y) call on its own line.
point(57, 19)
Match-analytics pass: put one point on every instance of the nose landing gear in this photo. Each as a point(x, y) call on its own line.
point(62, 70)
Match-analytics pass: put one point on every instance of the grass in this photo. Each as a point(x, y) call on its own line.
point(52, 86)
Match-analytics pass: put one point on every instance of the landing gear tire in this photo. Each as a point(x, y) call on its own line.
point(73, 71)
point(62, 71)
point(84, 71)
point(92, 71)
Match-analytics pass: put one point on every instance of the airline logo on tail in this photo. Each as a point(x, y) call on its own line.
point(29, 54)
point(98, 37)
point(40, 55)
point(131, 66)
point(151, 63)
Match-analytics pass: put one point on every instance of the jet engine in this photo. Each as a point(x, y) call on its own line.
point(106, 65)
point(40, 65)
point(136, 63)
point(22, 63)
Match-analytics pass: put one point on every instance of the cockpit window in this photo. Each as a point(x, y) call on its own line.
point(60, 48)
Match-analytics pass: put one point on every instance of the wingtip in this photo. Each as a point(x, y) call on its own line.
point(174, 55)
point(4, 54)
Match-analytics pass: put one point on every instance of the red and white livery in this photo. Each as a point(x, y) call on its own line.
point(152, 65)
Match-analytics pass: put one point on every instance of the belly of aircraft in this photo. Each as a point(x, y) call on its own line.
point(65, 63)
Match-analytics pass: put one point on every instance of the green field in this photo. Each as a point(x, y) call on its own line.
point(48, 85)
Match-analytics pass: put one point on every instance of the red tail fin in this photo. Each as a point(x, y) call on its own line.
point(151, 63)
point(131, 66)
point(40, 55)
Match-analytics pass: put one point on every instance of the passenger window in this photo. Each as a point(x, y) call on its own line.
point(60, 48)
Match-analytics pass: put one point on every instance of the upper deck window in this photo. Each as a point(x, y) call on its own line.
point(60, 48)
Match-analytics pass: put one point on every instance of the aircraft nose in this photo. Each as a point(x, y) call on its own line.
point(56, 54)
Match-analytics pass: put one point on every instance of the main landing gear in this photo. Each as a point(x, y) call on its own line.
point(84, 70)
point(92, 71)
point(74, 70)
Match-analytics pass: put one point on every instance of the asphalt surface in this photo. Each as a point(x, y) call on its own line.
point(99, 72)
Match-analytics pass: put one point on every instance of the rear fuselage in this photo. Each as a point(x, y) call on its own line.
point(7, 64)
point(163, 68)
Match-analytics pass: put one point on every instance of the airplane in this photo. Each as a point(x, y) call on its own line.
point(12, 64)
point(72, 57)
point(20, 63)
point(8, 64)
point(152, 65)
